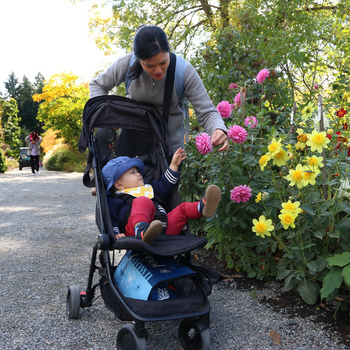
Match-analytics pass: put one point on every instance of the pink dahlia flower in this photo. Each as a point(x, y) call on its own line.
point(203, 143)
point(224, 108)
point(241, 193)
point(238, 100)
point(233, 86)
point(262, 75)
point(237, 134)
point(250, 122)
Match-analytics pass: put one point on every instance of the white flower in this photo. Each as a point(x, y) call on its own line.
point(316, 121)
point(344, 188)
point(264, 195)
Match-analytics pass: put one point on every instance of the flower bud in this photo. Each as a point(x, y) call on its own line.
point(330, 131)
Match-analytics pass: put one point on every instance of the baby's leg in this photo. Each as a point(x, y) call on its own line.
point(207, 206)
point(179, 216)
point(142, 210)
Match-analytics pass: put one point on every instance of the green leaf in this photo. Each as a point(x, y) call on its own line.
point(345, 208)
point(334, 234)
point(251, 274)
point(309, 210)
point(319, 234)
point(274, 246)
point(345, 222)
point(324, 206)
point(317, 265)
point(248, 159)
point(289, 283)
point(308, 291)
point(282, 274)
point(339, 259)
point(346, 274)
point(331, 296)
point(309, 245)
point(331, 281)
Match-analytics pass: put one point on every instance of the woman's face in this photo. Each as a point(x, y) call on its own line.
point(157, 65)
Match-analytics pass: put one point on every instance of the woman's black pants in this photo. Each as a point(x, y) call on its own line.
point(34, 163)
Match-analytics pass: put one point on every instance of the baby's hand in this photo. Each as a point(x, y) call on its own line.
point(178, 157)
point(119, 235)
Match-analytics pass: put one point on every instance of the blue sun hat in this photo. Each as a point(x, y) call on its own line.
point(116, 167)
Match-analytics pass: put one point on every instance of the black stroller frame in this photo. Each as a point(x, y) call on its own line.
point(136, 119)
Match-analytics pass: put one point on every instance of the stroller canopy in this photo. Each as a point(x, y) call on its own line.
point(111, 111)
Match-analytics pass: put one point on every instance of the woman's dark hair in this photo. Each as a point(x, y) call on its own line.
point(148, 42)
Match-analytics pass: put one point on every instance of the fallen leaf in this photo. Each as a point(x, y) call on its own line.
point(276, 338)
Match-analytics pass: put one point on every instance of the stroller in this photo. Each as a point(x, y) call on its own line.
point(154, 282)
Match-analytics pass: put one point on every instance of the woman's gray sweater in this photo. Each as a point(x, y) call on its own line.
point(147, 90)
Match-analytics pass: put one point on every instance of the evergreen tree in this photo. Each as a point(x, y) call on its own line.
point(38, 89)
point(10, 126)
point(26, 105)
point(23, 94)
point(39, 83)
point(12, 86)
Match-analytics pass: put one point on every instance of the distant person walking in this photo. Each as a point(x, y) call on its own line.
point(34, 140)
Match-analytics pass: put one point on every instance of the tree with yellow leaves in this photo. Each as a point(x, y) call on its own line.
point(50, 140)
point(63, 103)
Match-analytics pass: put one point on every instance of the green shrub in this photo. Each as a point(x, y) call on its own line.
point(3, 165)
point(64, 159)
point(285, 205)
point(12, 163)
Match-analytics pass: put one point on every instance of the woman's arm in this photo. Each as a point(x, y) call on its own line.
point(112, 77)
point(208, 117)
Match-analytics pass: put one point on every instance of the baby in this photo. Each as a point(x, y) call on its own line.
point(137, 209)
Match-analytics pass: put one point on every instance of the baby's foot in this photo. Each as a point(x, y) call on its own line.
point(209, 203)
point(148, 232)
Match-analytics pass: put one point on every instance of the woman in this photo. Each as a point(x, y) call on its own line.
point(33, 140)
point(152, 51)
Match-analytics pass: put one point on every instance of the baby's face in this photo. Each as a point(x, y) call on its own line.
point(131, 178)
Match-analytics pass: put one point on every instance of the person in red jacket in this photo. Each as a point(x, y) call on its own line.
point(33, 140)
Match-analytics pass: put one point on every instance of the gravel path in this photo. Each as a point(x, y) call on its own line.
point(47, 230)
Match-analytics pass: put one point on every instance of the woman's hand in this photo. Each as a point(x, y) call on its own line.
point(219, 138)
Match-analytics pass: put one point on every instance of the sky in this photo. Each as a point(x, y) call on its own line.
point(46, 36)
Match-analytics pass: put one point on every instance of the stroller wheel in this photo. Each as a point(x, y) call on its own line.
point(127, 339)
point(73, 302)
point(193, 335)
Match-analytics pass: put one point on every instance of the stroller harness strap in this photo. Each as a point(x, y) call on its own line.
point(169, 86)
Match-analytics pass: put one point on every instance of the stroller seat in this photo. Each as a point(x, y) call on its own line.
point(164, 245)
